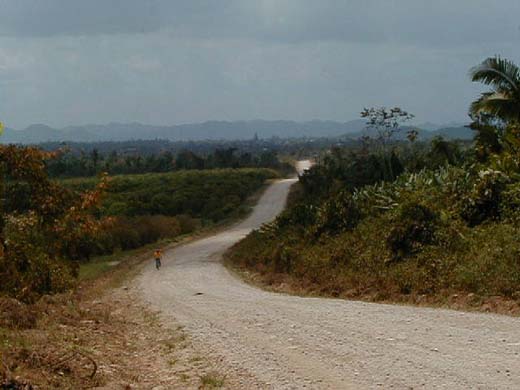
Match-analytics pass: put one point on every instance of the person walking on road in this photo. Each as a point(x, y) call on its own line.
point(157, 255)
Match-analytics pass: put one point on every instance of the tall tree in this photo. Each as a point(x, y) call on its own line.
point(386, 123)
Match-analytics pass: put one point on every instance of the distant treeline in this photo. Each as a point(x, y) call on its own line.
point(292, 146)
point(72, 163)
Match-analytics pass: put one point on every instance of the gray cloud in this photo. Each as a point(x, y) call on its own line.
point(157, 61)
point(442, 22)
point(43, 18)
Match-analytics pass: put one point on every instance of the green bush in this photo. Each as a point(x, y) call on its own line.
point(337, 214)
point(301, 214)
point(483, 202)
point(414, 226)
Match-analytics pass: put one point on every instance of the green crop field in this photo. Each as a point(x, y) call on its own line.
point(211, 195)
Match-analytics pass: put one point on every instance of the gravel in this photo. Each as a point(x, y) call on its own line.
point(276, 341)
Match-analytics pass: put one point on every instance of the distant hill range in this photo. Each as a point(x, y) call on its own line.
point(212, 130)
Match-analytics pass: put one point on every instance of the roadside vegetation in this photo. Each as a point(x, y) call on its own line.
point(86, 338)
point(65, 242)
point(49, 227)
point(417, 222)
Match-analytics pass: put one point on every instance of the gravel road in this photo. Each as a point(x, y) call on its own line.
point(275, 341)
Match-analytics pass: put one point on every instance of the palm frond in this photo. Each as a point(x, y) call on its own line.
point(496, 104)
point(502, 74)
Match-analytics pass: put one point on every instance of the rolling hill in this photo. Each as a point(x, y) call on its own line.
point(211, 130)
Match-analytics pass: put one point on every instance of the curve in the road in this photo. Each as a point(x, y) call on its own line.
point(287, 342)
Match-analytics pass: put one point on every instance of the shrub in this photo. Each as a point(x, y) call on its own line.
point(187, 223)
point(510, 202)
point(16, 315)
point(34, 274)
point(133, 232)
point(414, 226)
point(301, 214)
point(483, 202)
point(337, 215)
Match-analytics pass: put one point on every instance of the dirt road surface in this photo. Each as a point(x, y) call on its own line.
point(274, 341)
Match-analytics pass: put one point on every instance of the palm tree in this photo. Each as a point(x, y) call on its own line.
point(503, 101)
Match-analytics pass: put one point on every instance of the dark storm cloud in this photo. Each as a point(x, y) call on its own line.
point(440, 22)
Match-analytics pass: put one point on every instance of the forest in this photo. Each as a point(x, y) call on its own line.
point(146, 157)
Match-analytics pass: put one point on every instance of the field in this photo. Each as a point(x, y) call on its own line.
point(211, 195)
point(150, 207)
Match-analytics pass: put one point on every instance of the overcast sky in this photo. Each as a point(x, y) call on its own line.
point(65, 62)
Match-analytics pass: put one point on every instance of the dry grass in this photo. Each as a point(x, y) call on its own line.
point(80, 342)
point(97, 335)
point(57, 351)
